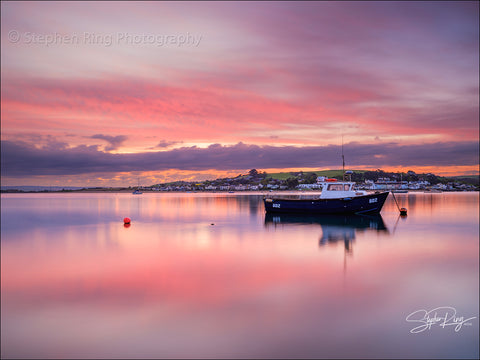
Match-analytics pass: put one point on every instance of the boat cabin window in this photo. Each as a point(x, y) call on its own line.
point(338, 187)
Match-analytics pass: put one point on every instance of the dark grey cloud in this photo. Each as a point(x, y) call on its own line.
point(114, 141)
point(22, 159)
point(165, 144)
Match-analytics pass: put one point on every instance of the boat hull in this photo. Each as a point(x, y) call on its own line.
point(371, 203)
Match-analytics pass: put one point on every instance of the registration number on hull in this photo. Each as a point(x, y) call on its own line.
point(374, 200)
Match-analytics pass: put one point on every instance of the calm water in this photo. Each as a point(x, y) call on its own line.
point(210, 275)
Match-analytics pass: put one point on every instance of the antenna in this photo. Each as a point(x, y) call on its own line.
point(343, 161)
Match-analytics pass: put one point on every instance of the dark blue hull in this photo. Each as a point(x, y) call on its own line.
point(371, 203)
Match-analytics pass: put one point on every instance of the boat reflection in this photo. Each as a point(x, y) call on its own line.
point(335, 228)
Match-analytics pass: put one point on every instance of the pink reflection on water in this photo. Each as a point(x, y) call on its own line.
point(172, 285)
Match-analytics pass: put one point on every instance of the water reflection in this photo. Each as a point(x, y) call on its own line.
point(335, 228)
point(75, 283)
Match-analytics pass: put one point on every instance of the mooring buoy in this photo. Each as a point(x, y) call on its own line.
point(403, 211)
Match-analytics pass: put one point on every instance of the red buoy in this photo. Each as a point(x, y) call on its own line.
point(126, 220)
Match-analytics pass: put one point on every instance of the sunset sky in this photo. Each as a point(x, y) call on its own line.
point(116, 93)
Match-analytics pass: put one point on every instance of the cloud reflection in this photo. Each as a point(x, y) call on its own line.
point(250, 286)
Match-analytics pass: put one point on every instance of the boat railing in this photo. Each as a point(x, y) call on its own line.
point(293, 196)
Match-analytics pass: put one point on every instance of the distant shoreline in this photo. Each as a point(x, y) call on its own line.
point(127, 191)
point(284, 181)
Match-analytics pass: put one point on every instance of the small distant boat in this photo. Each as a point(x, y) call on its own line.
point(400, 191)
point(137, 190)
point(337, 197)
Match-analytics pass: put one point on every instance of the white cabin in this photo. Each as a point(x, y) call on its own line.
point(339, 189)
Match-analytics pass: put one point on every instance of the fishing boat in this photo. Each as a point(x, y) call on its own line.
point(337, 197)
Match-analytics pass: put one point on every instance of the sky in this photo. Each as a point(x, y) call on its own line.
point(121, 93)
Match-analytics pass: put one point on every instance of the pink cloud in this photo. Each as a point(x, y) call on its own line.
point(126, 107)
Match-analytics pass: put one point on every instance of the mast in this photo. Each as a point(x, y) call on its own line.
point(343, 162)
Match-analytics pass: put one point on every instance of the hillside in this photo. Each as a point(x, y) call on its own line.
point(466, 179)
point(327, 173)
